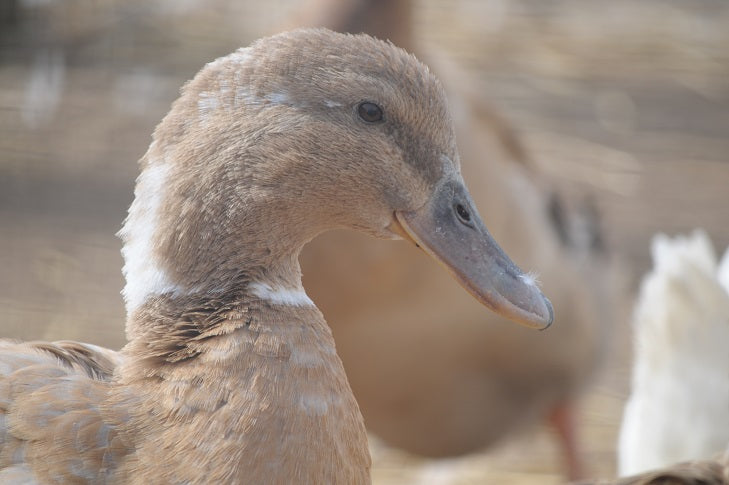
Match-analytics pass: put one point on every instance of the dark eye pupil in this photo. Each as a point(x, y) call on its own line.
point(369, 112)
point(463, 213)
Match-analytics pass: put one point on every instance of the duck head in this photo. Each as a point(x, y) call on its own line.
point(300, 133)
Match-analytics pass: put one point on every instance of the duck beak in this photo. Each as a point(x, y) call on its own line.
point(450, 230)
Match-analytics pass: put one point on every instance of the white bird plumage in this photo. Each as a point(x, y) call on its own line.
point(679, 406)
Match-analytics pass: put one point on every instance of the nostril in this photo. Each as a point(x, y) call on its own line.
point(463, 214)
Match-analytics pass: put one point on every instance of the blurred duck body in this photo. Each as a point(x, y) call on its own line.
point(438, 376)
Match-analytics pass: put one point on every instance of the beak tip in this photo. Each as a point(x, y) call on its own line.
point(550, 311)
point(537, 315)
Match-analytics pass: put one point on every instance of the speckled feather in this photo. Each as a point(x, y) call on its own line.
point(50, 416)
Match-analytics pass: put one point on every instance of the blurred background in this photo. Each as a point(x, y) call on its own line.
point(621, 105)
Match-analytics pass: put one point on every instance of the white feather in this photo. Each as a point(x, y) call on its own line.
point(143, 274)
point(281, 296)
point(679, 406)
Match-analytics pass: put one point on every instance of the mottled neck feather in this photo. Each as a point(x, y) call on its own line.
point(235, 373)
point(169, 330)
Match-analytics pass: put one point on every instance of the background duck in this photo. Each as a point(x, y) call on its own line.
point(678, 409)
point(469, 380)
point(230, 373)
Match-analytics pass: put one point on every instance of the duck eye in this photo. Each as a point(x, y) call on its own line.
point(369, 112)
point(463, 214)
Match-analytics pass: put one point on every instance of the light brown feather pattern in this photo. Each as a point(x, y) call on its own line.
point(50, 416)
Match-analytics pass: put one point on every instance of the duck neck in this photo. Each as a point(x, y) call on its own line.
point(220, 330)
point(192, 243)
point(166, 327)
point(208, 269)
point(244, 363)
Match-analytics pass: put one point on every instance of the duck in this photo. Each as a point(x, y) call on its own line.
point(230, 373)
point(473, 382)
point(678, 408)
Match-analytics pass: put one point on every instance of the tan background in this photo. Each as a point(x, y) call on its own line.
point(627, 101)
